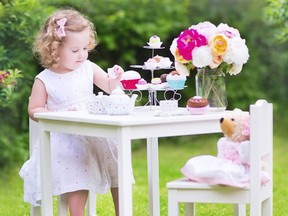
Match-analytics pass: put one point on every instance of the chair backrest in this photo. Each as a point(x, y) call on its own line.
point(33, 137)
point(33, 134)
point(261, 142)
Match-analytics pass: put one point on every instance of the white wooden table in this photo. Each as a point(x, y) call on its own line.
point(142, 123)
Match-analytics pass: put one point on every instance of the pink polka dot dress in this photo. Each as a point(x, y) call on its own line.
point(78, 162)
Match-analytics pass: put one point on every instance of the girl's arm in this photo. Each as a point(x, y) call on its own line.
point(37, 99)
point(102, 80)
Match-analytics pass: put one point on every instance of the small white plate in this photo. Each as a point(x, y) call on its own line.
point(136, 66)
point(155, 45)
point(149, 47)
point(216, 109)
point(158, 86)
point(142, 87)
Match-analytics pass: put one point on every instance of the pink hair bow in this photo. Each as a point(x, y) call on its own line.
point(60, 30)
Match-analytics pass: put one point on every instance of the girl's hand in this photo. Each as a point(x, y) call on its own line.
point(115, 72)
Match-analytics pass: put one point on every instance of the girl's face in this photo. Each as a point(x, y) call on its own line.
point(74, 51)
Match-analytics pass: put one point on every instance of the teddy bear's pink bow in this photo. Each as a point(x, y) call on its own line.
point(246, 126)
point(60, 30)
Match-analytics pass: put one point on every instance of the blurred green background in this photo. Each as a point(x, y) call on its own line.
point(124, 27)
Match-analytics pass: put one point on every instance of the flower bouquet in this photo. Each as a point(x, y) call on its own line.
point(8, 80)
point(211, 49)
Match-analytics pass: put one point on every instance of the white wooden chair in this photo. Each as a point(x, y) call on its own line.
point(259, 197)
point(62, 199)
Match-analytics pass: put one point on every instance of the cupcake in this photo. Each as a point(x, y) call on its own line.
point(157, 62)
point(156, 81)
point(129, 79)
point(197, 105)
point(142, 84)
point(165, 62)
point(154, 41)
point(158, 84)
point(175, 80)
point(163, 77)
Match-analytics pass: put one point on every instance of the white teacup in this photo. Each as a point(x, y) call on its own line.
point(168, 106)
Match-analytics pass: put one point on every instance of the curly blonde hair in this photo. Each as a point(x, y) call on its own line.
point(48, 42)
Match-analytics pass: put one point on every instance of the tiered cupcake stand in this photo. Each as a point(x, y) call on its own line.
point(152, 92)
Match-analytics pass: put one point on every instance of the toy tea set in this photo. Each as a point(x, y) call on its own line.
point(119, 103)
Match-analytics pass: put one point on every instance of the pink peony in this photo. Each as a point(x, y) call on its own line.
point(188, 40)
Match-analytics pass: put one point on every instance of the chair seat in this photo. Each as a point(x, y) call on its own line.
point(185, 183)
point(194, 192)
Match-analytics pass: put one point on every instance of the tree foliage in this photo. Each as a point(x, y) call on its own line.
point(19, 22)
point(277, 14)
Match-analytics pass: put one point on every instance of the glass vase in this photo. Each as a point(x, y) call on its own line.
point(210, 84)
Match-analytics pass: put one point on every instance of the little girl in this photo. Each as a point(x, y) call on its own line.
point(79, 163)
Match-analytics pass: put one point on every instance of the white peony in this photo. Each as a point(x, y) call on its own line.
point(235, 69)
point(205, 28)
point(202, 56)
point(173, 46)
point(230, 32)
point(237, 52)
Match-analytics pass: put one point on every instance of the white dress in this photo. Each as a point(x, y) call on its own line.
point(78, 162)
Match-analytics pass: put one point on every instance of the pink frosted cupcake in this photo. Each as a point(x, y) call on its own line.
point(142, 84)
point(197, 105)
point(129, 79)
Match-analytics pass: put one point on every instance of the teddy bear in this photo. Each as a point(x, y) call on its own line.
point(232, 163)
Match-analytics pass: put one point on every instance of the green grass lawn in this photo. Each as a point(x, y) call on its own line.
point(173, 153)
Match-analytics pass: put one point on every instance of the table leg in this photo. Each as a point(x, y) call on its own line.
point(46, 173)
point(125, 173)
point(153, 176)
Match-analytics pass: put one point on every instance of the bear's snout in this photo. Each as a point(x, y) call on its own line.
point(221, 120)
